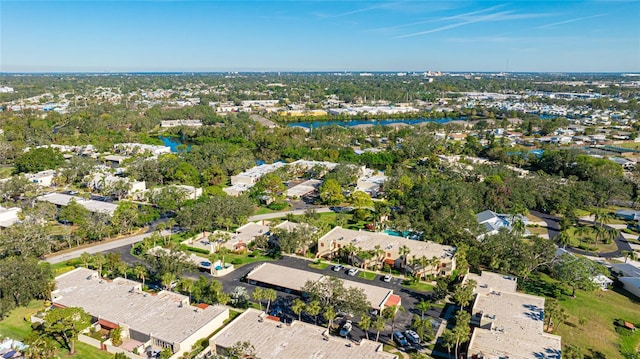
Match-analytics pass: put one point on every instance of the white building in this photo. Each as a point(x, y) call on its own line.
point(178, 123)
point(133, 148)
point(62, 200)
point(42, 178)
point(508, 324)
point(9, 216)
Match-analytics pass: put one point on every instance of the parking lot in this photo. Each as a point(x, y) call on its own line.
point(403, 320)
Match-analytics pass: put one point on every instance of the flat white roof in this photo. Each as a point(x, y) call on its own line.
point(165, 315)
point(303, 188)
point(60, 199)
point(516, 321)
point(275, 340)
point(295, 279)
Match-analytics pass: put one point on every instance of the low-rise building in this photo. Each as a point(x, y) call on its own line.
point(133, 148)
point(292, 280)
point(274, 340)
point(9, 216)
point(62, 200)
point(178, 123)
point(162, 320)
point(508, 324)
point(491, 222)
point(393, 250)
point(42, 178)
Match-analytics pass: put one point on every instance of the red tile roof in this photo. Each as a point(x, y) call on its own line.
point(393, 300)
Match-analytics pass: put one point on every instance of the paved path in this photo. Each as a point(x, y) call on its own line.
point(297, 212)
point(100, 247)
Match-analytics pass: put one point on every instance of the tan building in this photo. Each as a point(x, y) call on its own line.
point(376, 249)
point(508, 324)
point(272, 339)
point(154, 321)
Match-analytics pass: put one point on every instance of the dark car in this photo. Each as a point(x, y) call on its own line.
point(400, 339)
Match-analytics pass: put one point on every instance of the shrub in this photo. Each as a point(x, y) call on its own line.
point(236, 261)
point(624, 331)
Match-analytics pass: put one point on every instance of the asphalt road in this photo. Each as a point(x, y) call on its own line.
point(553, 229)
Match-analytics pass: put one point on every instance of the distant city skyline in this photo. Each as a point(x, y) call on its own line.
point(288, 36)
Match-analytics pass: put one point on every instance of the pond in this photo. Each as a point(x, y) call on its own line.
point(173, 143)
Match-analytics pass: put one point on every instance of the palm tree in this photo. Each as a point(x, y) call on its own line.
point(564, 239)
point(581, 231)
point(365, 325)
point(140, 272)
point(258, 295)
point(270, 295)
point(629, 255)
point(379, 254)
point(186, 285)
point(314, 309)
point(329, 314)
point(404, 252)
point(391, 312)
point(167, 279)
point(423, 306)
point(517, 225)
point(121, 268)
point(298, 307)
point(98, 260)
point(379, 325)
point(85, 258)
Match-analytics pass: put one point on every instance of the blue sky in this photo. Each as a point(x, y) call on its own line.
point(548, 36)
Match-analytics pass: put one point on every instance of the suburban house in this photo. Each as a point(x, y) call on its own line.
point(272, 339)
point(491, 222)
point(239, 240)
point(9, 216)
point(101, 181)
point(508, 324)
point(153, 321)
point(177, 123)
point(292, 280)
point(628, 214)
point(376, 248)
point(135, 148)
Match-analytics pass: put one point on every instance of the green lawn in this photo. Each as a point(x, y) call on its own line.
point(84, 351)
point(538, 230)
point(588, 240)
point(14, 326)
point(367, 275)
point(599, 309)
point(320, 265)
point(419, 286)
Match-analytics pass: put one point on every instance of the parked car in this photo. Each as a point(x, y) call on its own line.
point(276, 312)
point(386, 278)
point(412, 336)
point(337, 267)
point(346, 329)
point(400, 339)
point(353, 271)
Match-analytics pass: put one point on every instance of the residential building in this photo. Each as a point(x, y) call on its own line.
point(177, 123)
point(9, 216)
point(162, 320)
point(292, 280)
point(274, 340)
point(62, 200)
point(239, 240)
point(253, 175)
point(631, 285)
point(42, 178)
point(508, 324)
point(100, 181)
point(491, 222)
point(396, 251)
point(133, 148)
point(303, 189)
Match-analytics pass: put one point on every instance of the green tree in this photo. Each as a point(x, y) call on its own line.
point(423, 306)
point(74, 213)
point(270, 295)
point(40, 346)
point(314, 308)
point(23, 280)
point(85, 259)
point(116, 336)
point(298, 307)
point(391, 313)
point(258, 296)
point(331, 192)
point(329, 314)
point(378, 324)
point(365, 324)
point(140, 271)
point(38, 159)
point(125, 217)
point(577, 272)
point(241, 350)
point(66, 324)
point(360, 199)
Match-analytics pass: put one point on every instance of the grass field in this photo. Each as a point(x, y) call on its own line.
point(367, 275)
point(14, 326)
point(419, 286)
point(588, 239)
point(538, 230)
point(320, 265)
point(598, 310)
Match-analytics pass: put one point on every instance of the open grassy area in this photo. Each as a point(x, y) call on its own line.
point(84, 351)
point(588, 239)
point(419, 286)
point(318, 265)
point(538, 230)
point(14, 326)
point(5, 171)
point(598, 310)
point(367, 275)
